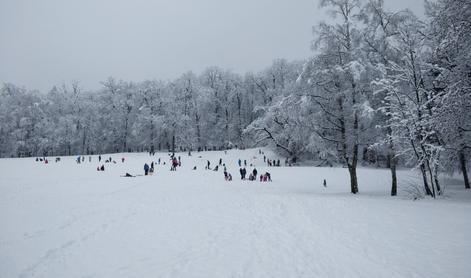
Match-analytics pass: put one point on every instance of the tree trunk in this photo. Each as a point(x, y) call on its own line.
point(464, 169)
point(424, 177)
point(392, 162)
point(173, 144)
point(352, 169)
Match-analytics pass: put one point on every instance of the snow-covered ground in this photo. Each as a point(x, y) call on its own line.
point(68, 220)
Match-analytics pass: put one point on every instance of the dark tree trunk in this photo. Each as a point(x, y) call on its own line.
point(464, 169)
point(424, 177)
point(352, 169)
point(392, 162)
point(173, 144)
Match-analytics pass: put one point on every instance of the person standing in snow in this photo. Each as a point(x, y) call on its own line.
point(240, 162)
point(146, 169)
point(245, 162)
point(220, 161)
point(225, 175)
point(254, 172)
point(99, 158)
point(208, 164)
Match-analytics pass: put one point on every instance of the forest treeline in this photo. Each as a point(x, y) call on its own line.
point(382, 87)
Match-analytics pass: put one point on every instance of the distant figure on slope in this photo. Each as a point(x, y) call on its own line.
point(220, 161)
point(245, 162)
point(240, 162)
point(146, 169)
point(225, 175)
point(175, 163)
point(264, 158)
point(99, 158)
point(208, 164)
point(78, 160)
point(89, 158)
point(122, 159)
point(216, 168)
point(267, 177)
point(241, 173)
point(254, 173)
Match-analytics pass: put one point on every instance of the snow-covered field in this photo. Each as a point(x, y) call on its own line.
point(68, 220)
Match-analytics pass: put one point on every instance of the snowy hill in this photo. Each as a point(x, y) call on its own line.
point(68, 220)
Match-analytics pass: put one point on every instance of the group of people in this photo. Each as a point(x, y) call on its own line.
point(275, 162)
point(175, 163)
point(253, 175)
point(42, 159)
point(149, 170)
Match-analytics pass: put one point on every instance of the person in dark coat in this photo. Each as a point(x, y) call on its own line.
point(254, 172)
point(102, 168)
point(146, 169)
point(99, 158)
point(241, 173)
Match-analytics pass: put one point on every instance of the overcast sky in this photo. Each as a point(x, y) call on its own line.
point(48, 42)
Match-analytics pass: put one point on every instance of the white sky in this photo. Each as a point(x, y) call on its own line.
point(48, 42)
